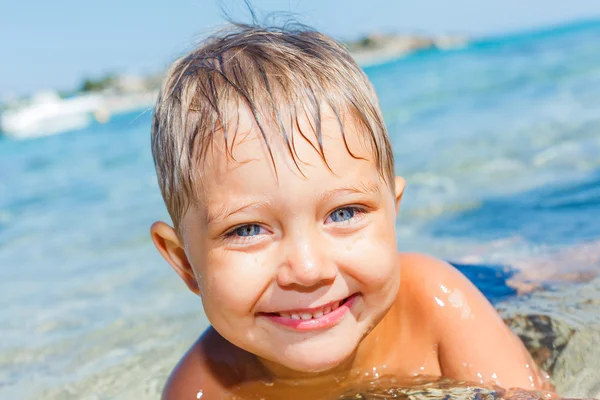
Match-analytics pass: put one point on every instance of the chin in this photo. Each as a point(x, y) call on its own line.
point(316, 358)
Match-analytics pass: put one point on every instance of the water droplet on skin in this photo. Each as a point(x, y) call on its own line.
point(199, 394)
point(375, 373)
point(439, 301)
point(456, 299)
point(444, 289)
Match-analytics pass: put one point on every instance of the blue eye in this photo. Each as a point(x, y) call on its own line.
point(247, 230)
point(343, 214)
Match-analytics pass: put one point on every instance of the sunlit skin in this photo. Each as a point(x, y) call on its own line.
point(267, 240)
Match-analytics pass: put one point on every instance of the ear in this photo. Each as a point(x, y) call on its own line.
point(170, 247)
point(399, 185)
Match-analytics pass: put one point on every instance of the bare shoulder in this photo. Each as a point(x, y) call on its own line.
point(211, 366)
point(429, 281)
point(444, 293)
point(450, 299)
point(424, 271)
point(474, 343)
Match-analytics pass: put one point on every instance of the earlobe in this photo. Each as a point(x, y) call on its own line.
point(170, 247)
point(399, 185)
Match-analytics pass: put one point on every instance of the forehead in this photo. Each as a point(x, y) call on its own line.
point(286, 143)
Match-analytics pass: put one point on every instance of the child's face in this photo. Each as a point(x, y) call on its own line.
point(268, 252)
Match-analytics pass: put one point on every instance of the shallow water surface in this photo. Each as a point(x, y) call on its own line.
point(389, 387)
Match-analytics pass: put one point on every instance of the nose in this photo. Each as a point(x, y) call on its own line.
point(306, 262)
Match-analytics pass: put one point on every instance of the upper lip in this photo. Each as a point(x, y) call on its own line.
point(309, 310)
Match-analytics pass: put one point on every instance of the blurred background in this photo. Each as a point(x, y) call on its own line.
point(493, 109)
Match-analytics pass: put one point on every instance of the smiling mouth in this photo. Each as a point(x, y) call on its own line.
point(310, 313)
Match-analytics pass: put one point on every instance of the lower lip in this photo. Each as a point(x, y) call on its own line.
point(326, 321)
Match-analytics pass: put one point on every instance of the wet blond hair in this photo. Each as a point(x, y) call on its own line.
point(280, 74)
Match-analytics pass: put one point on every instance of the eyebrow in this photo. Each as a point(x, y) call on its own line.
point(225, 212)
point(367, 188)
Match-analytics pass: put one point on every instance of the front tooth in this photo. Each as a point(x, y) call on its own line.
point(305, 316)
point(335, 305)
point(318, 314)
point(327, 310)
point(284, 314)
point(295, 316)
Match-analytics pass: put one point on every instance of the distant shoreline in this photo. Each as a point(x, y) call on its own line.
point(375, 49)
point(50, 112)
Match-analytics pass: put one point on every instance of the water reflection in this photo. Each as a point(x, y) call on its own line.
point(388, 387)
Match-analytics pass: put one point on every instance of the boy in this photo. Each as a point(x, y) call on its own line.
point(277, 170)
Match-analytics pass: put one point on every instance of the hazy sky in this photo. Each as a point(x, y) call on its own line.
point(54, 44)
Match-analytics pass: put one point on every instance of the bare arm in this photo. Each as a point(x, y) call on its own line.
point(192, 376)
point(474, 343)
point(210, 368)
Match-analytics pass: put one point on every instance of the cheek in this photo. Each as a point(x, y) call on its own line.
point(371, 259)
point(233, 283)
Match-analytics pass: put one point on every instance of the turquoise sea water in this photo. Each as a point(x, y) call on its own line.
point(499, 143)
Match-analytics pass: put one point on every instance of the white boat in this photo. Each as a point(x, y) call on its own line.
point(48, 114)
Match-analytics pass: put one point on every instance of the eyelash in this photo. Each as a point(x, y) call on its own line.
point(358, 212)
point(231, 233)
